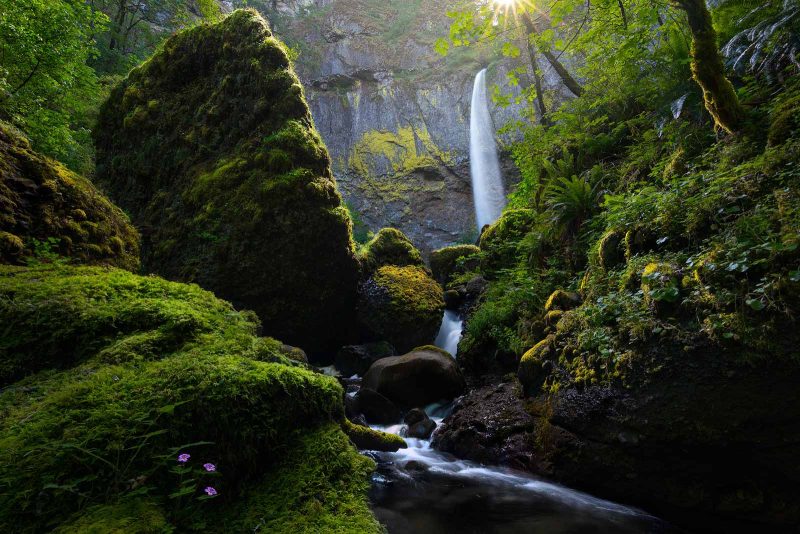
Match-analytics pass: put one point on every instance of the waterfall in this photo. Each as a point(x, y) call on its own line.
point(487, 182)
point(449, 333)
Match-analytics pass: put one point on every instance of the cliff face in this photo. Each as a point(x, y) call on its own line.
point(393, 113)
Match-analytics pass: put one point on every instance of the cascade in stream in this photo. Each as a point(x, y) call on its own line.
point(487, 182)
point(449, 333)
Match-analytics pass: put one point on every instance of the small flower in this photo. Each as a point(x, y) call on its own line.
point(210, 491)
point(210, 467)
point(184, 457)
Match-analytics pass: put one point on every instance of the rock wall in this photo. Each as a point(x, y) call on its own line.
point(393, 112)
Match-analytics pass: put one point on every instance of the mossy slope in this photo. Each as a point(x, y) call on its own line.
point(43, 205)
point(211, 148)
point(150, 368)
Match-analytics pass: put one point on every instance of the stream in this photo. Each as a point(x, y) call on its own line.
point(420, 490)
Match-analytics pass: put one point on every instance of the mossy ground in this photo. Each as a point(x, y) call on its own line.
point(137, 369)
point(49, 213)
point(211, 147)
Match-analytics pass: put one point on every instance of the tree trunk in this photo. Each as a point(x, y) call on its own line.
point(708, 69)
point(537, 82)
point(566, 77)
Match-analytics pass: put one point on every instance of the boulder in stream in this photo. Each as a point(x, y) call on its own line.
point(356, 359)
point(425, 375)
point(376, 408)
point(419, 424)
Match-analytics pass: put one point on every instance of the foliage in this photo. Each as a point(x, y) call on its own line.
point(767, 38)
point(45, 82)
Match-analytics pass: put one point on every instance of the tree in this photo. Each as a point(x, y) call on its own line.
point(44, 47)
point(708, 69)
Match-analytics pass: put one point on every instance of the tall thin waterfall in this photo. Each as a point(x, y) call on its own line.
point(487, 182)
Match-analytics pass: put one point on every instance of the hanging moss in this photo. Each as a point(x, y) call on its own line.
point(211, 148)
point(47, 212)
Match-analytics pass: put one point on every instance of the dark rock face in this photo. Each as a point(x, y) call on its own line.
point(490, 425)
point(46, 209)
point(699, 441)
point(703, 443)
point(211, 147)
point(356, 359)
point(376, 408)
point(420, 377)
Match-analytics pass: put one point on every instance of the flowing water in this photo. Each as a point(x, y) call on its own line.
point(487, 182)
point(450, 332)
point(420, 490)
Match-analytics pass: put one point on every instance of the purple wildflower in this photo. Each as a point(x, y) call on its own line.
point(210, 467)
point(184, 457)
point(210, 491)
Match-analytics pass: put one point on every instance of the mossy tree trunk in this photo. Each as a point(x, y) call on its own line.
point(570, 82)
point(708, 69)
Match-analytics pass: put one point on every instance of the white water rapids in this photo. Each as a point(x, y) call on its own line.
point(487, 182)
point(449, 333)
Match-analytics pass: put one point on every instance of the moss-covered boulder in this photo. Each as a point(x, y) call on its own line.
point(562, 300)
point(211, 148)
point(368, 439)
point(137, 370)
point(389, 247)
point(424, 375)
point(402, 305)
point(536, 365)
point(611, 249)
point(458, 259)
point(47, 211)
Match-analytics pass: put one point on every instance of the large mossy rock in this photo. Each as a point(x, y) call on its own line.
point(132, 371)
point(211, 148)
point(389, 247)
point(424, 375)
point(402, 305)
point(48, 211)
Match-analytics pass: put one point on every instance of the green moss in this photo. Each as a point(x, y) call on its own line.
point(402, 305)
point(562, 300)
point(320, 485)
point(43, 202)
point(535, 365)
point(366, 438)
point(59, 317)
point(233, 181)
point(133, 516)
point(610, 251)
point(135, 369)
point(389, 247)
point(785, 120)
point(403, 152)
point(449, 261)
